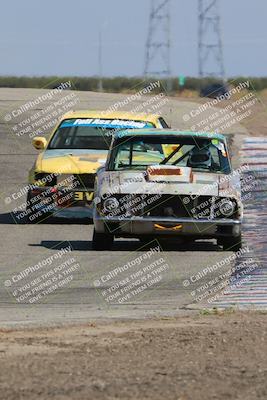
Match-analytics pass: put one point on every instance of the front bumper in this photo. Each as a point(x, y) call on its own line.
point(63, 203)
point(155, 226)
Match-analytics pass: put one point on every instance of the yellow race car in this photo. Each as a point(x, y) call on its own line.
point(61, 181)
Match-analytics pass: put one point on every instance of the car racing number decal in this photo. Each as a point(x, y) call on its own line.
point(83, 196)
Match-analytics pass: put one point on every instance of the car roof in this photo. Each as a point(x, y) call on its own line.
point(124, 115)
point(171, 132)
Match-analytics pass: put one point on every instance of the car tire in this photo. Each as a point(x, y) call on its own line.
point(232, 243)
point(102, 241)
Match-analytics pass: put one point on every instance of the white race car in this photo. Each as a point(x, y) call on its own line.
point(167, 184)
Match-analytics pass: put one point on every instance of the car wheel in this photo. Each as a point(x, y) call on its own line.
point(232, 243)
point(102, 241)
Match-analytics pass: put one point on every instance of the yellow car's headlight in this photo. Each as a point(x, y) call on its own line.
point(45, 179)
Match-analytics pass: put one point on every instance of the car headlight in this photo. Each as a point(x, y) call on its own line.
point(227, 207)
point(110, 204)
point(45, 179)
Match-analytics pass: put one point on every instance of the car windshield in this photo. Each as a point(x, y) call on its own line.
point(90, 133)
point(204, 154)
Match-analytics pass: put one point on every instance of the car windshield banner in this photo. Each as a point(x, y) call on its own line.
point(106, 123)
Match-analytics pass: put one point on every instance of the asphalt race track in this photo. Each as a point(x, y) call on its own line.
point(81, 298)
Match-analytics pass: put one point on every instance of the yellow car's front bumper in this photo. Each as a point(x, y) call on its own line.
point(62, 202)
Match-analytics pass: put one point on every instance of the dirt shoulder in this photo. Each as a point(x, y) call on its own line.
point(220, 356)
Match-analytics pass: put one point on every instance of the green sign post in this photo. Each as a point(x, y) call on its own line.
point(182, 80)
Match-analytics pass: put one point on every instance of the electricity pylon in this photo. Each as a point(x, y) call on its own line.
point(210, 48)
point(157, 56)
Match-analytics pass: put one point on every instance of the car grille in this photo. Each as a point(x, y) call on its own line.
point(201, 207)
point(78, 181)
point(85, 181)
point(172, 206)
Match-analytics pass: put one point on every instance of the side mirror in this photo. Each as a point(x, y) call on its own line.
point(39, 143)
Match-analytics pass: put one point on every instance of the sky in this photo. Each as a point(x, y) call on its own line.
point(60, 37)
